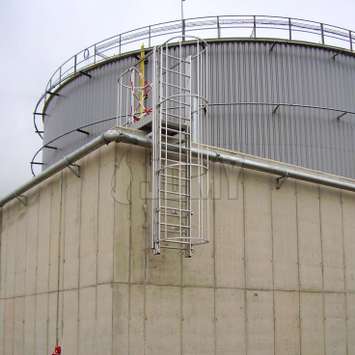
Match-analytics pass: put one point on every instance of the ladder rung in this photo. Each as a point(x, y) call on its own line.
point(182, 178)
point(176, 65)
point(174, 225)
point(164, 99)
point(172, 161)
point(184, 239)
point(182, 172)
point(181, 153)
point(174, 248)
point(182, 118)
point(175, 209)
point(174, 168)
point(173, 185)
point(174, 177)
point(182, 235)
point(175, 86)
point(182, 160)
point(174, 193)
point(174, 136)
point(177, 58)
point(175, 146)
point(173, 140)
point(179, 150)
point(183, 201)
point(169, 98)
point(171, 168)
point(175, 215)
point(167, 128)
point(167, 70)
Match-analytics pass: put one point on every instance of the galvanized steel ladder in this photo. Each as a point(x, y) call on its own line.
point(174, 127)
point(169, 103)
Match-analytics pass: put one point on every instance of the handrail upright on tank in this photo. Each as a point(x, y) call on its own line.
point(104, 50)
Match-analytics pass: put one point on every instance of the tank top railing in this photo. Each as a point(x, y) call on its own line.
point(216, 26)
point(236, 26)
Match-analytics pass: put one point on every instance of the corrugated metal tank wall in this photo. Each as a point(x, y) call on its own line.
point(242, 71)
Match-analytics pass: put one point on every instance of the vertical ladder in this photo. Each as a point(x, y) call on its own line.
point(168, 101)
point(173, 162)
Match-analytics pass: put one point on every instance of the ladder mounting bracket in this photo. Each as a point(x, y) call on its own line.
point(22, 199)
point(82, 72)
point(272, 46)
point(280, 180)
point(75, 169)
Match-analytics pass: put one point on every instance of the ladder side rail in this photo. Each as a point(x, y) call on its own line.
point(179, 110)
point(190, 159)
point(155, 235)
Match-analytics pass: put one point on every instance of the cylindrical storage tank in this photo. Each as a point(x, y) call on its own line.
point(81, 270)
point(285, 100)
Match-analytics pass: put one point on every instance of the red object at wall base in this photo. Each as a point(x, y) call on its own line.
point(57, 350)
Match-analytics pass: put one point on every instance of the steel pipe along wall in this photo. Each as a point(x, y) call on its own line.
point(301, 77)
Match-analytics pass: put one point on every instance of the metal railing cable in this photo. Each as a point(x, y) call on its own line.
point(34, 160)
point(341, 113)
point(277, 105)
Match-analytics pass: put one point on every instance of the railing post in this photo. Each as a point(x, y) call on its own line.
point(218, 28)
point(75, 59)
point(60, 74)
point(254, 26)
point(322, 32)
point(95, 54)
point(120, 44)
point(289, 29)
point(150, 36)
point(183, 29)
point(351, 40)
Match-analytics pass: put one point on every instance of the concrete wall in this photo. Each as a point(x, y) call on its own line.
point(278, 276)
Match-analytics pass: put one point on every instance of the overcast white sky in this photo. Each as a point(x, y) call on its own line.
point(38, 35)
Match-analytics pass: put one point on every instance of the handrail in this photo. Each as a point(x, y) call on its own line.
point(275, 106)
point(102, 50)
point(116, 45)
